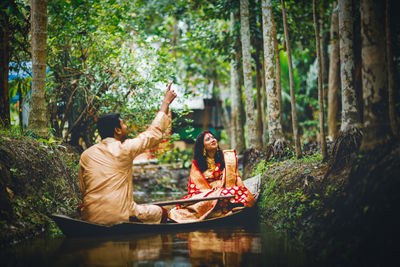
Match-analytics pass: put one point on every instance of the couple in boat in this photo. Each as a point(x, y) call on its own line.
point(105, 175)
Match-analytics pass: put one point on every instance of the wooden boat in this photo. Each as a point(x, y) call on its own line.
point(75, 227)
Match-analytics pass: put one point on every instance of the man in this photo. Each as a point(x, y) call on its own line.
point(105, 170)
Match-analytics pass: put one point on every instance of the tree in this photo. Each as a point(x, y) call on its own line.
point(237, 131)
point(4, 55)
point(291, 81)
point(37, 114)
point(253, 141)
point(334, 76)
point(389, 62)
point(349, 138)
point(350, 113)
point(323, 43)
point(278, 77)
point(259, 91)
point(274, 111)
point(256, 41)
point(320, 86)
point(377, 130)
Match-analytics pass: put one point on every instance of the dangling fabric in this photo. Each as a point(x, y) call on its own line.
point(224, 182)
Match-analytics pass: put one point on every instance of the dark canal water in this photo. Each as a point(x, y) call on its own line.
point(228, 246)
point(251, 245)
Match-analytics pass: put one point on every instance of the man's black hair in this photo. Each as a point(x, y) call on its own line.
point(107, 124)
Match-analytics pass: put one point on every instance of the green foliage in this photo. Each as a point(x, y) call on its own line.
point(291, 210)
point(101, 62)
point(317, 157)
point(289, 205)
point(176, 156)
point(263, 166)
point(43, 181)
point(15, 13)
point(19, 86)
point(310, 129)
point(118, 56)
point(15, 132)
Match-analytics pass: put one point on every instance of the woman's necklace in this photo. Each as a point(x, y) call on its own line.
point(210, 163)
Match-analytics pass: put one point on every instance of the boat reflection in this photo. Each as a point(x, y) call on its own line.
point(189, 248)
point(220, 248)
point(121, 252)
point(229, 246)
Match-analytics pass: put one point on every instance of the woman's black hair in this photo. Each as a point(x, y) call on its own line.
point(199, 153)
point(107, 124)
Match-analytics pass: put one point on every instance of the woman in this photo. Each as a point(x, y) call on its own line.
point(214, 173)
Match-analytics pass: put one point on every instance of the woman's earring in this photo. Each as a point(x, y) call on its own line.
point(204, 152)
point(218, 148)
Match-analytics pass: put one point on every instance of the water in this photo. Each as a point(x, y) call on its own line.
point(229, 246)
point(255, 245)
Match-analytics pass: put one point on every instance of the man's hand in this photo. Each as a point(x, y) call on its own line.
point(168, 98)
point(169, 94)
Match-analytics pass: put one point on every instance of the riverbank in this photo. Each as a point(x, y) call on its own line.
point(37, 178)
point(346, 216)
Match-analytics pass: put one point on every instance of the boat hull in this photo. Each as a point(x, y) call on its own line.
point(76, 228)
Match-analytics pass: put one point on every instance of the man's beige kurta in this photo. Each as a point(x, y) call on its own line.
point(105, 177)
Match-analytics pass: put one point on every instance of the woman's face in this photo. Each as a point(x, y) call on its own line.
point(210, 143)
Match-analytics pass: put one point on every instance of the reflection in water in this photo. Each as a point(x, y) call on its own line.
point(203, 241)
point(119, 253)
point(200, 248)
point(218, 247)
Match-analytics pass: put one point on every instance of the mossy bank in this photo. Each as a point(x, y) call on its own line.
point(37, 178)
point(346, 216)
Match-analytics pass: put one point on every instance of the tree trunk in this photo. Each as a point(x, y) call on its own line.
point(277, 67)
point(248, 82)
point(264, 104)
point(4, 57)
point(350, 112)
point(274, 113)
point(257, 44)
point(291, 84)
point(376, 114)
point(320, 88)
point(258, 95)
point(323, 44)
point(237, 130)
point(334, 76)
point(37, 114)
point(389, 60)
